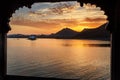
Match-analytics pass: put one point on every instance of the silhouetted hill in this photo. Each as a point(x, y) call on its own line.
point(99, 33)
point(17, 36)
point(65, 33)
point(96, 33)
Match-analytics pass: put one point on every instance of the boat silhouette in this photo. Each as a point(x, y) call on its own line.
point(32, 37)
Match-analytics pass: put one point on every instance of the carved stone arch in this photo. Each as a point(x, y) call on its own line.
point(111, 9)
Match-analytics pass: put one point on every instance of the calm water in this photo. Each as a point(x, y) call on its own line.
point(59, 58)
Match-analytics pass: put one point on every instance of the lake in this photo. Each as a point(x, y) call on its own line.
point(59, 58)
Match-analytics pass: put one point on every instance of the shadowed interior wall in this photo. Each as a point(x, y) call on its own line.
point(2, 54)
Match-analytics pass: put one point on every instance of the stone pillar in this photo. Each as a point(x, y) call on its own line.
point(116, 45)
point(4, 28)
point(2, 54)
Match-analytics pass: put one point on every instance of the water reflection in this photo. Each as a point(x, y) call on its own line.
point(88, 45)
point(84, 43)
point(97, 45)
point(70, 59)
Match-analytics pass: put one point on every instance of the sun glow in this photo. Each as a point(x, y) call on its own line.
point(47, 18)
point(79, 28)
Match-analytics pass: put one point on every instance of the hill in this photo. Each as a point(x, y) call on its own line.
point(65, 33)
point(96, 33)
point(99, 33)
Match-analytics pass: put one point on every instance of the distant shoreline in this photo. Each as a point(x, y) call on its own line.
point(87, 45)
point(66, 33)
point(63, 38)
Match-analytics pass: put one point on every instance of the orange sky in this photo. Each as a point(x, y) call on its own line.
point(47, 18)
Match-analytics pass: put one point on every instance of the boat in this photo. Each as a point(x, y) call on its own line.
point(32, 37)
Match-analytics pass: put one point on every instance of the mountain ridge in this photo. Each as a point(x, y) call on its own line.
point(96, 33)
point(99, 33)
point(65, 33)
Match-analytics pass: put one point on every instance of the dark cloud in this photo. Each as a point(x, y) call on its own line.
point(38, 24)
point(56, 8)
point(94, 19)
point(53, 23)
point(36, 13)
point(63, 7)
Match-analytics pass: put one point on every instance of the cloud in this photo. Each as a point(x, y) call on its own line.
point(39, 24)
point(47, 23)
point(64, 7)
point(89, 6)
point(60, 23)
point(56, 15)
point(54, 9)
point(94, 19)
point(57, 10)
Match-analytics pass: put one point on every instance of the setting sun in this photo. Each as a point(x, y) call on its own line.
point(78, 28)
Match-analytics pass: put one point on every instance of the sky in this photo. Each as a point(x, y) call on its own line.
point(47, 17)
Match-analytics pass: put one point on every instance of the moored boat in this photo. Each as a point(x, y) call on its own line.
point(32, 37)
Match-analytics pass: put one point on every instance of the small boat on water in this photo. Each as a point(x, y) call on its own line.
point(32, 37)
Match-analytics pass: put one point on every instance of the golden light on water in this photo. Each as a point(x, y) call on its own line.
point(60, 56)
